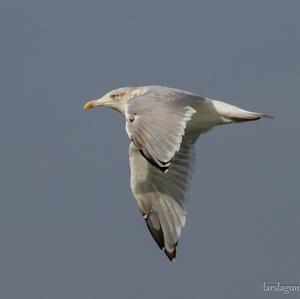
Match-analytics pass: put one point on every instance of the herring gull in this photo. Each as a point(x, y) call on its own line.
point(163, 125)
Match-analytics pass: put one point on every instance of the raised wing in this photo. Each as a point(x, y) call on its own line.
point(161, 196)
point(156, 125)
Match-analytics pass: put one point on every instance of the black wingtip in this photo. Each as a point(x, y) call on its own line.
point(170, 254)
point(158, 236)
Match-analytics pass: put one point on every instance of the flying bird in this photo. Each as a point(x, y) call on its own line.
point(163, 125)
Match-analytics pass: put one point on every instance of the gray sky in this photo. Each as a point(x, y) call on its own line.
point(68, 225)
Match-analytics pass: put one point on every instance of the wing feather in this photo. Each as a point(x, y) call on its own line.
point(161, 196)
point(157, 126)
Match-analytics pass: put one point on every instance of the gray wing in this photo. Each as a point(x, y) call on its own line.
point(161, 196)
point(156, 124)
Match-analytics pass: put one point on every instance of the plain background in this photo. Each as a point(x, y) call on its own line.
point(69, 227)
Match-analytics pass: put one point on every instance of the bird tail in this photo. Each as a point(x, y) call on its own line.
point(230, 113)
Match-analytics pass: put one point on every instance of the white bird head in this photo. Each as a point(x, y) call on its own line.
point(115, 99)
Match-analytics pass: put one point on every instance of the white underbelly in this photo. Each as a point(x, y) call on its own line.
point(204, 119)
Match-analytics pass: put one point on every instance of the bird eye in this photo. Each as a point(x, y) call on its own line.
point(115, 96)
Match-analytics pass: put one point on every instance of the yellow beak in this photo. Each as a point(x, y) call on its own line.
point(88, 105)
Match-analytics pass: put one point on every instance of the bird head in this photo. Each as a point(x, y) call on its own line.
point(115, 99)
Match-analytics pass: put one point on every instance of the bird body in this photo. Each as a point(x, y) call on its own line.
point(163, 124)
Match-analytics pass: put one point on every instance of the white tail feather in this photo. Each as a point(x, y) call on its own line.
point(231, 113)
